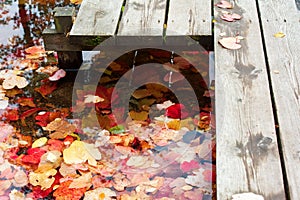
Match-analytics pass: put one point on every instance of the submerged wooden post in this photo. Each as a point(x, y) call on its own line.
point(69, 56)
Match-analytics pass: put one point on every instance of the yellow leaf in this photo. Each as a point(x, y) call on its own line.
point(140, 116)
point(279, 35)
point(39, 142)
point(84, 181)
point(76, 1)
point(45, 180)
point(80, 152)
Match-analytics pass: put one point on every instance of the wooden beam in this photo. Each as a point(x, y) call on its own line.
point(247, 149)
point(284, 63)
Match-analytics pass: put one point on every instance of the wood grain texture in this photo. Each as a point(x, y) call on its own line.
point(191, 17)
point(143, 18)
point(247, 150)
point(284, 63)
point(97, 17)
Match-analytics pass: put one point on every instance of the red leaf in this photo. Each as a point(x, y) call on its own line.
point(26, 101)
point(107, 95)
point(30, 112)
point(33, 156)
point(55, 145)
point(47, 88)
point(188, 166)
point(66, 193)
point(177, 111)
point(209, 175)
point(11, 115)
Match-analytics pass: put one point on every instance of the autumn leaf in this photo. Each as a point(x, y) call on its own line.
point(279, 35)
point(46, 88)
point(83, 181)
point(39, 142)
point(26, 101)
point(189, 166)
point(224, 4)
point(230, 17)
point(177, 111)
point(63, 192)
point(60, 128)
point(14, 80)
point(58, 75)
point(80, 152)
point(76, 1)
point(140, 116)
point(232, 43)
point(44, 180)
point(100, 193)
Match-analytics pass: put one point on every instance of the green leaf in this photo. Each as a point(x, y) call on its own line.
point(117, 129)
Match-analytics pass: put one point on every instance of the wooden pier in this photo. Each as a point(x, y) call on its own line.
point(257, 86)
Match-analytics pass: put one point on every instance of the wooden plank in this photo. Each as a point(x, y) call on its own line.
point(247, 150)
point(283, 57)
point(97, 17)
point(143, 18)
point(191, 17)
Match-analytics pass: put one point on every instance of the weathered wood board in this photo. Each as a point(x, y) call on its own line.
point(247, 150)
point(284, 62)
point(191, 17)
point(143, 18)
point(97, 18)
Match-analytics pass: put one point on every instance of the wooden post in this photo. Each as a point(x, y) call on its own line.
point(57, 39)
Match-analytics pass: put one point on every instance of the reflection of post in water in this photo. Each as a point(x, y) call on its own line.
point(24, 21)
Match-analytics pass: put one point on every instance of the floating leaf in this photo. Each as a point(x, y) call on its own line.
point(164, 105)
point(26, 101)
point(39, 142)
point(83, 181)
point(80, 152)
point(44, 180)
point(14, 80)
point(92, 99)
point(100, 193)
point(58, 75)
point(140, 116)
point(60, 128)
point(117, 129)
point(63, 192)
point(279, 35)
point(189, 166)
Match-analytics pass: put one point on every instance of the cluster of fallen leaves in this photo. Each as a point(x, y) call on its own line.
point(229, 42)
point(170, 156)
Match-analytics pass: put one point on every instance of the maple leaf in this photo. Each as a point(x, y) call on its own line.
point(177, 111)
point(60, 128)
point(63, 192)
point(45, 180)
point(80, 152)
point(46, 88)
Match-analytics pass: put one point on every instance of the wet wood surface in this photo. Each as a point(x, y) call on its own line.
point(247, 149)
point(284, 62)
